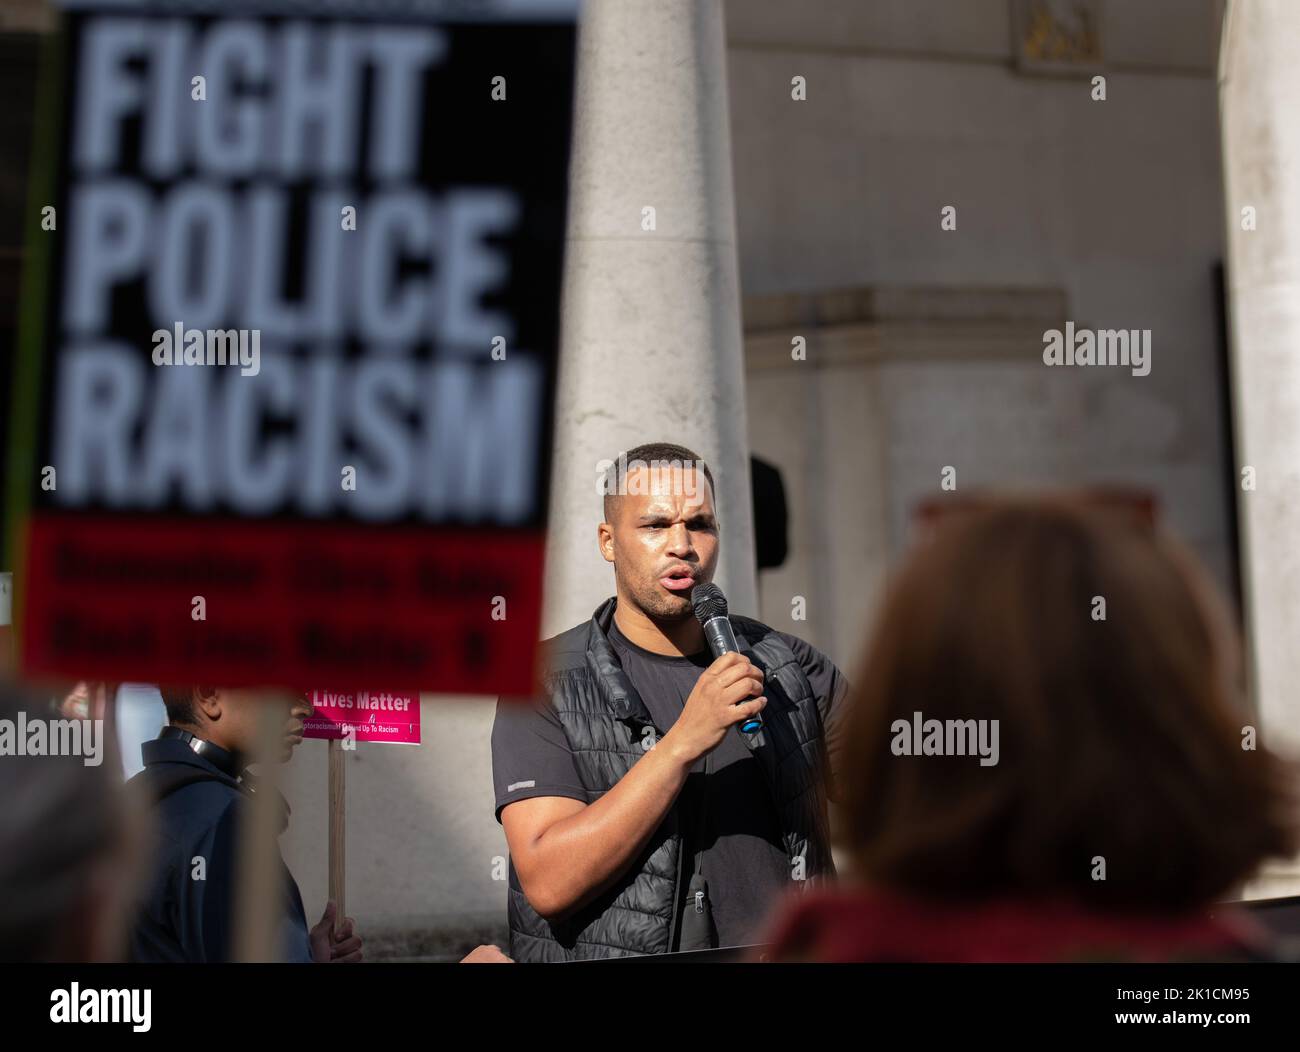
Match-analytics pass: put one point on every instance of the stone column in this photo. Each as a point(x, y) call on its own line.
point(651, 341)
point(1259, 80)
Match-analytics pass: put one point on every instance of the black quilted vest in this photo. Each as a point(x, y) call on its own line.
point(605, 722)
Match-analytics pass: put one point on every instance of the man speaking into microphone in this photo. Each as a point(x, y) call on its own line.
point(641, 818)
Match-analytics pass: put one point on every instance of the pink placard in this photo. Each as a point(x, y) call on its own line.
point(375, 716)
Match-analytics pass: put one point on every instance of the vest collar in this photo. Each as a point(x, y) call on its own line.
point(615, 688)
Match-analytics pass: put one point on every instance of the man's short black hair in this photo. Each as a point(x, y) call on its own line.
point(179, 702)
point(647, 455)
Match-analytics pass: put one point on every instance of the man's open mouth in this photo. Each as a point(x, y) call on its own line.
point(678, 580)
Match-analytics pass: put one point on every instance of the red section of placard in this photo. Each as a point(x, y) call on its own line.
point(288, 604)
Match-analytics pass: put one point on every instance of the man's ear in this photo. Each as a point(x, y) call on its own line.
point(207, 700)
point(605, 541)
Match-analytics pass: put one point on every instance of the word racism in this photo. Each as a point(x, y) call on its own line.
point(24, 737)
point(946, 738)
point(213, 347)
point(1099, 347)
point(638, 477)
point(288, 202)
point(103, 1006)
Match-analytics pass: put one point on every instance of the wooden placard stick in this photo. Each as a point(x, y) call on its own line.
point(337, 832)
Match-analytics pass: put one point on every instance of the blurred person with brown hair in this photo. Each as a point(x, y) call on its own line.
point(1125, 794)
point(67, 841)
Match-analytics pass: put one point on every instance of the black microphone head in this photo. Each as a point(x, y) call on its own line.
point(708, 601)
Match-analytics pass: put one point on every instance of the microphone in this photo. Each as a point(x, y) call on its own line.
point(711, 610)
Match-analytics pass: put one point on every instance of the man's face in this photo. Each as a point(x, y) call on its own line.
point(242, 710)
point(663, 540)
point(300, 710)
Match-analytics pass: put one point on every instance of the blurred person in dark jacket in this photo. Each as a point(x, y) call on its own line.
point(67, 840)
point(1126, 792)
point(197, 774)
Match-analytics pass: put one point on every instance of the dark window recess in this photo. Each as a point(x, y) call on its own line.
point(771, 518)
